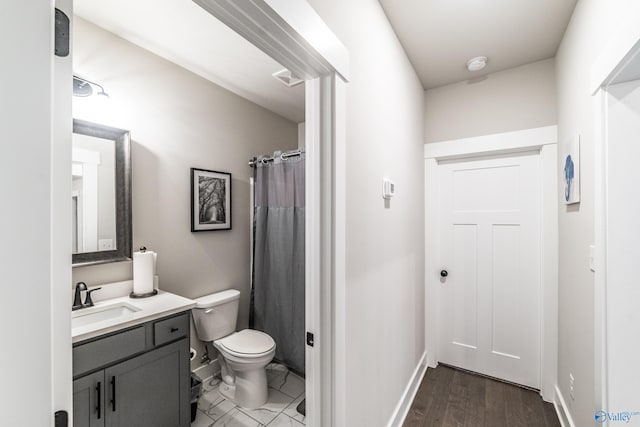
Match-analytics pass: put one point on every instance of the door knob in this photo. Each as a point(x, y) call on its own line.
point(444, 273)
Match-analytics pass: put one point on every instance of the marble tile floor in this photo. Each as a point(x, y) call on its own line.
point(286, 391)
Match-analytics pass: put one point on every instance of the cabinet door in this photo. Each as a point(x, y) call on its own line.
point(88, 400)
point(151, 390)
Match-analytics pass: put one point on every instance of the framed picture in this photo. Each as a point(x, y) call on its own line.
point(210, 200)
point(570, 170)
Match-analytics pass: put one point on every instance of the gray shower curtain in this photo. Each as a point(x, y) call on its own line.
point(278, 303)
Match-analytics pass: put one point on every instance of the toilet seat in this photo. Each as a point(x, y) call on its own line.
point(247, 344)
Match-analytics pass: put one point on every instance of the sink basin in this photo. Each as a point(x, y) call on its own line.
point(87, 316)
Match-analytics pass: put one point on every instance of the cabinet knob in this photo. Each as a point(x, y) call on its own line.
point(444, 273)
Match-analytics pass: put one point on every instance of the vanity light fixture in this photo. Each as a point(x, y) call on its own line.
point(83, 87)
point(477, 63)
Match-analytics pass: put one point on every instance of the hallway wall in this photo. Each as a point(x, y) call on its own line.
point(592, 25)
point(515, 99)
point(384, 245)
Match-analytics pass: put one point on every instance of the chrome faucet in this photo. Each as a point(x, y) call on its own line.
point(77, 298)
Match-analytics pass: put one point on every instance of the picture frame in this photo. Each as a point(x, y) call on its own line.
point(570, 170)
point(210, 200)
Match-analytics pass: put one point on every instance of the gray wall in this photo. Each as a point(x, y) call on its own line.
point(177, 121)
point(519, 98)
point(592, 25)
point(385, 246)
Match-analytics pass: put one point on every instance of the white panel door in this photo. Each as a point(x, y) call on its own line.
point(490, 248)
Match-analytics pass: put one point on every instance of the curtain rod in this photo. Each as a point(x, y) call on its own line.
point(284, 156)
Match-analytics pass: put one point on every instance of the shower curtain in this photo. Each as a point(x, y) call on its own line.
point(278, 297)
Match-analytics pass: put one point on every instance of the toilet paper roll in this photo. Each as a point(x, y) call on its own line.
point(155, 261)
point(193, 353)
point(143, 272)
point(155, 270)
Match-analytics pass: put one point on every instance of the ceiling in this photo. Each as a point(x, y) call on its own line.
point(184, 33)
point(440, 36)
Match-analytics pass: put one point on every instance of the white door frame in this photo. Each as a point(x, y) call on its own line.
point(621, 52)
point(62, 124)
point(294, 35)
point(544, 140)
point(37, 254)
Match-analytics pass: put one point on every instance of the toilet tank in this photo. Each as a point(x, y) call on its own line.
point(215, 315)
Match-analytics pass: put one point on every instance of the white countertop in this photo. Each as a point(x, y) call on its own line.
point(155, 307)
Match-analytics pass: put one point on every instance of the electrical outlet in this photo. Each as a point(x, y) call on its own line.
point(571, 386)
point(105, 244)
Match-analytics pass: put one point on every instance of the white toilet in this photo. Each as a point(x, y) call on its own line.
point(243, 355)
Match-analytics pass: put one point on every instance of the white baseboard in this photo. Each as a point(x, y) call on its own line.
point(402, 409)
point(207, 371)
point(431, 360)
point(561, 409)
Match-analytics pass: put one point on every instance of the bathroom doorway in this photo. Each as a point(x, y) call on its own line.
point(294, 35)
point(324, 220)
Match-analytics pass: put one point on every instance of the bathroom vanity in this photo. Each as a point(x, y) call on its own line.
point(130, 355)
point(136, 373)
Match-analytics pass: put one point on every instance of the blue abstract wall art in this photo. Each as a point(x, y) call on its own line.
point(570, 163)
point(568, 177)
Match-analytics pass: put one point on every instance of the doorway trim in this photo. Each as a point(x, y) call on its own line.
point(544, 140)
point(620, 55)
point(294, 35)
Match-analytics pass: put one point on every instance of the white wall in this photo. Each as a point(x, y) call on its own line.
point(384, 245)
point(177, 121)
point(515, 99)
point(592, 24)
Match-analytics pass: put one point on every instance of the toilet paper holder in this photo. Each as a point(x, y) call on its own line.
point(145, 295)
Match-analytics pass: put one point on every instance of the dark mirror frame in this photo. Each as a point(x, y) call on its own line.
point(123, 193)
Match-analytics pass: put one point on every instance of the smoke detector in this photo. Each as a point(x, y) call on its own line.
point(287, 78)
point(477, 63)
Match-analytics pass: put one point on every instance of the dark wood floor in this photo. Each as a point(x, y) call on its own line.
point(449, 397)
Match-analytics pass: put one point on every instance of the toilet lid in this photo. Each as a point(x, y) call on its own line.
point(248, 341)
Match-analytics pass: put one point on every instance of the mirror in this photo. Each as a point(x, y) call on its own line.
point(100, 194)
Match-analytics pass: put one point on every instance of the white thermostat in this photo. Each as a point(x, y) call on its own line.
point(388, 188)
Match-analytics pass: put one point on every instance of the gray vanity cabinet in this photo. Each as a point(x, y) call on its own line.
point(142, 377)
point(88, 401)
point(145, 390)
